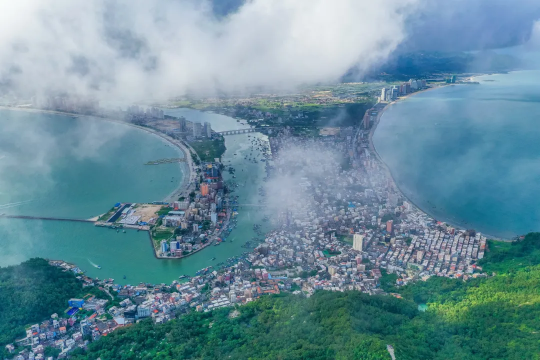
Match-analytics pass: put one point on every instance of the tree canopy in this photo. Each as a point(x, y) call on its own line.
point(30, 293)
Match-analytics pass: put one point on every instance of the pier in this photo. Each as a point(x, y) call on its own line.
point(43, 218)
point(166, 161)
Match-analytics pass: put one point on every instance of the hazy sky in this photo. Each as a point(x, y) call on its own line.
point(133, 49)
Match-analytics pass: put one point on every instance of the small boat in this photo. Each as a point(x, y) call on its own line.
point(98, 266)
point(124, 277)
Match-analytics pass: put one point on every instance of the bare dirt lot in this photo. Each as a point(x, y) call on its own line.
point(147, 211)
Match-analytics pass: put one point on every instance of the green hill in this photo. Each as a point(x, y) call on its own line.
point(30, 293)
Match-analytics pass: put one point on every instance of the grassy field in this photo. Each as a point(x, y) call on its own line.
point(161, 234)
point(345, 239)
point(107, 215)
point(208, 150)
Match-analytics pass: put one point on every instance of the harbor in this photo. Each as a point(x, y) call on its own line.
point(129, 252)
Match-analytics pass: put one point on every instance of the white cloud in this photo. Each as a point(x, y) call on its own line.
point(128, 50)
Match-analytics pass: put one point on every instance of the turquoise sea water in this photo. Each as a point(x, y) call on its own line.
point(470, 154)
point(53, 165)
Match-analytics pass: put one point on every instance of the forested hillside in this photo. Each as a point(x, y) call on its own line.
point(30, 293)
point(489, 318)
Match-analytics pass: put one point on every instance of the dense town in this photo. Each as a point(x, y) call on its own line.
point(340, 223)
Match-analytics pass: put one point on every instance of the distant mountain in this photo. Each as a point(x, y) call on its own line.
point(428, 63)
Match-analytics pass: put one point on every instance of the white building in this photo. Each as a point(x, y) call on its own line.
point(358, 242)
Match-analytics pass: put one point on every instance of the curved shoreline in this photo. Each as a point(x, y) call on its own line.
point(389, 172)
point(180, 145)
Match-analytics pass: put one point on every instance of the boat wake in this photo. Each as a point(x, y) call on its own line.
point(94, 265)
point(13, 204)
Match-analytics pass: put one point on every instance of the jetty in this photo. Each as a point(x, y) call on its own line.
point(166, 161)
point(43, 218)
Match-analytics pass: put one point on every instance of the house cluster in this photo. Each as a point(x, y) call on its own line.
point(313, 261)
point(333, 205)
point(84, 320)
point(450, 254)
point(200, 219)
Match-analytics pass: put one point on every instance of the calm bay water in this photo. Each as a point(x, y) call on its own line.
point(53, 165)
point(470, 154)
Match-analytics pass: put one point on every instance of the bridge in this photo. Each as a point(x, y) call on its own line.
point(234, 132)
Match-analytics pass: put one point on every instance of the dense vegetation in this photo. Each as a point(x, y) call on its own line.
point(509, 257)
point(485, 318)
point(31, 292)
